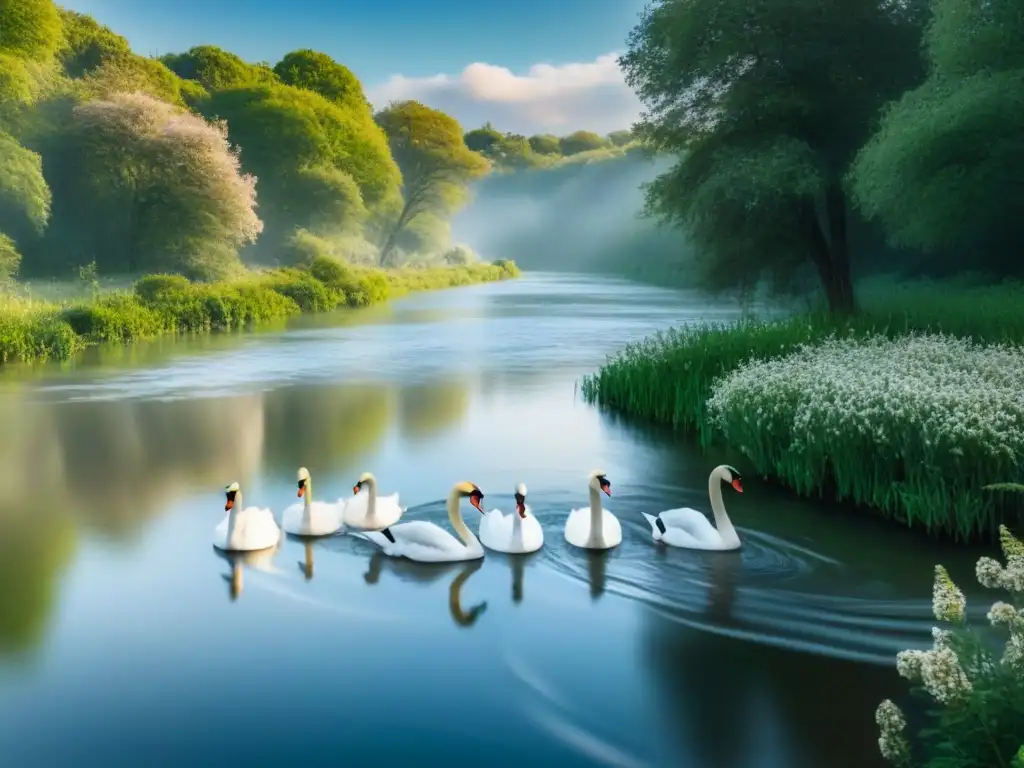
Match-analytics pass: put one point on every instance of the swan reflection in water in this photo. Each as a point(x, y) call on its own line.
point(260, 560)
point(408, 570)
point(597, 566)
point(307, 567)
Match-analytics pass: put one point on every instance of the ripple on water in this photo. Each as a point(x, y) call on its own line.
point(771, 591)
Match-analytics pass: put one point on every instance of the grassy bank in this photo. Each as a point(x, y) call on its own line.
point(672, 377)
point(161, 304)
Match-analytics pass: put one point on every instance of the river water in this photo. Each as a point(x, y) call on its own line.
point(125, 639)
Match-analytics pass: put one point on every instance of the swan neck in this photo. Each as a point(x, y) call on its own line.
point(596, 513)
point(517, 526)
point(455, 518)
point(722, 521)
point(233, 514)
point(371, 502)
point(307, 497)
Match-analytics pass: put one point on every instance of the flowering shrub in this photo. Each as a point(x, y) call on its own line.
point(913, 426)
point(979, 720)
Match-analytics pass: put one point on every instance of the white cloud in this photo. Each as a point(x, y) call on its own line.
point(559, 99)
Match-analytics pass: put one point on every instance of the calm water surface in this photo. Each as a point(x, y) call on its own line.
point(125, 639)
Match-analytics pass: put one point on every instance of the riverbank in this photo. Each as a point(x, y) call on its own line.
point(165, 304)
point(925, 466)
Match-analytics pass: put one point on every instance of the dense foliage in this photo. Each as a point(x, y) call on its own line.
point(200, 162)
point(170, 303)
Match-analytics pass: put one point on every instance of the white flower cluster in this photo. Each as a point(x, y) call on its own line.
point(940, 670)
point(925, 395)
point(891, 741)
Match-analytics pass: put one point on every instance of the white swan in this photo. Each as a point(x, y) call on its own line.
point(312, 518)
point(516, 533)
point(689, 528)
point(245, 530)
point(369, 512)
point(593, 527)
point(429, 543)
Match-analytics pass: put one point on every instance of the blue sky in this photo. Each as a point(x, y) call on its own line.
point(555, 80)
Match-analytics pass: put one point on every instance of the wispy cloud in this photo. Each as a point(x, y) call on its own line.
point(548, 98)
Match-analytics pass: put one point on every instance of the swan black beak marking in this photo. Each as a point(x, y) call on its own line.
point(661, 525)
point(389, 535)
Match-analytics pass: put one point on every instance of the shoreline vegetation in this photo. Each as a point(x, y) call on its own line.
point(162, 304)
point(911, 407)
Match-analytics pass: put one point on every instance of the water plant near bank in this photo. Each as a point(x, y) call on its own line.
point(974, 688)
point(914, 427)
point(162, 304)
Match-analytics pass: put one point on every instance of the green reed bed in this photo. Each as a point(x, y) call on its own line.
point(161, 304)
point(670, 377)
point(914, 427)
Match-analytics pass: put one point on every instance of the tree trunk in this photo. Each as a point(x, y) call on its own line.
point(389, 244)
point(830, 253)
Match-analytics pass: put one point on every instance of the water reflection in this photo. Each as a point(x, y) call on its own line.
point(424, 573)
point(258, 560)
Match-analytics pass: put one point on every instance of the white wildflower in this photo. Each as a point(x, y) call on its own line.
point(1013, 656)
point(943, 677)
point(891, 741)
point(948, 602)
point(910, 663)
point(1013, 574)
point(1003, 613)
point(941, 638)
point(990, 573)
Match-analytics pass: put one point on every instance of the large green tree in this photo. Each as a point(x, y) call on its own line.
point(30, 36)
point(581, 141)
point(216, 69)
point(436, 164)
point(944, 169)
point(766, 104)
point(321, 74)
point(320, 166)
point(141, 185)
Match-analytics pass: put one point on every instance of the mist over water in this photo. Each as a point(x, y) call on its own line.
point(575, 218)
point(118, 618)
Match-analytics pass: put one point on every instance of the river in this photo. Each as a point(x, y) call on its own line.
point(125, 639)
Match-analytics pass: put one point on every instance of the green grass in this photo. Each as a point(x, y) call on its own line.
point(31, 329)
point(669, 377)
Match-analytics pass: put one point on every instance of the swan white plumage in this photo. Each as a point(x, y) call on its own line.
point(428, 543)
point(690, 528)
point(515, 533)
point(245, 530)
point(312, 518)
point(369, 512)
point(594, 527)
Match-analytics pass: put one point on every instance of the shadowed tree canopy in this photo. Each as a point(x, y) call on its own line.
point(581, 141)
point(216, 69)
point(140, 184)
point(944, 168)
point(545, 144)
point(319, 165)
point(620, 138)
point(24, 196)
point(88, 44)
point(321, 74)
point(436, 164)
point(30, 36)
point(766, 105)
point(483, 139)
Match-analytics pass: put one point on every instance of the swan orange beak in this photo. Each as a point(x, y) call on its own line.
point(737, 485)
point(355, 489)
point(606, 487)
point(302, 491)
point(477, 500)
point(229, 504)
point(521, 509)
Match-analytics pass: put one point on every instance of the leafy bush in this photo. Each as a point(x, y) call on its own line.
point(172, 304)
point(976, 718)
point(914, 427)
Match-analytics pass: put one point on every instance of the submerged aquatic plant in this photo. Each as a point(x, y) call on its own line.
point(977, 718)
point(914, 426)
